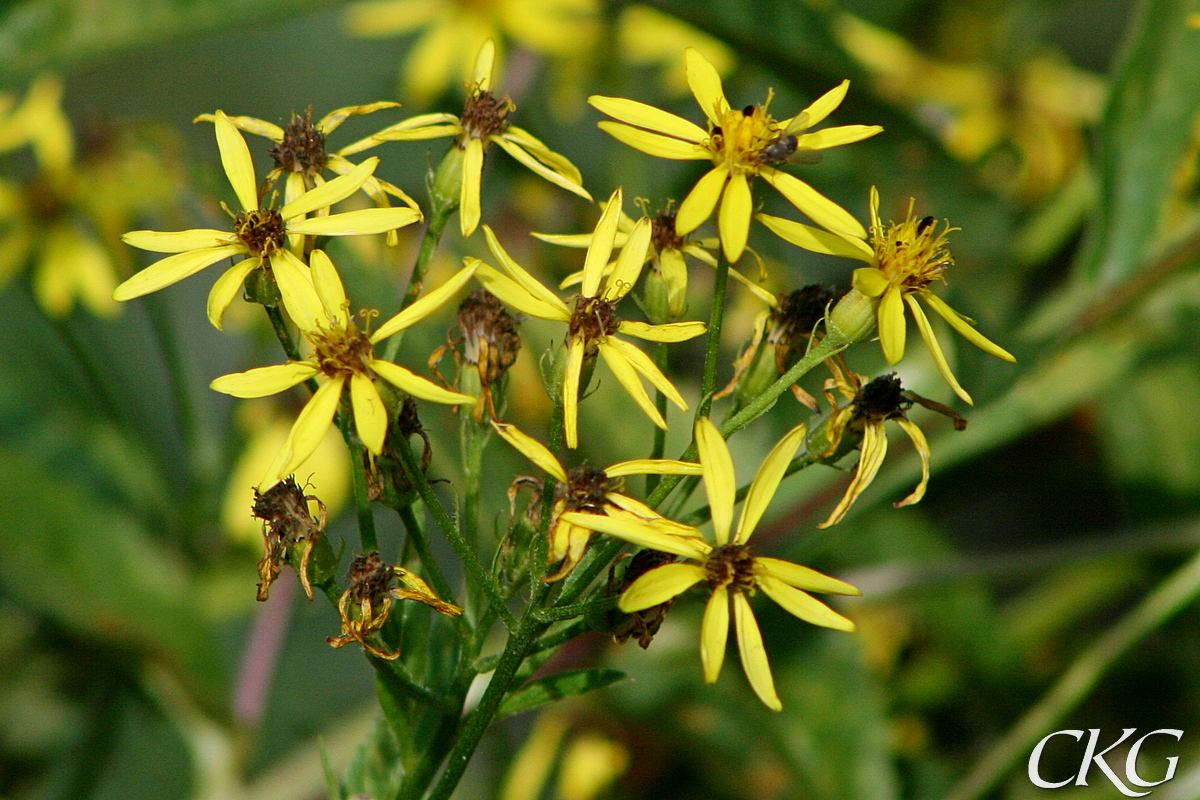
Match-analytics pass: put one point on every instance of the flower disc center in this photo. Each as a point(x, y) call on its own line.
point(730, 565)
point(261, 230)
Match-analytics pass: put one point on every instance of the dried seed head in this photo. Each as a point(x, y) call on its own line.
point(303, 147)
point(662, 231)
point(586, 490)
point(882, 399)
point(370, 578)
point(594, 318)
point(485, 115)
point(644, 624)
point(798, 314)
point(490, 338)
point(287, 522)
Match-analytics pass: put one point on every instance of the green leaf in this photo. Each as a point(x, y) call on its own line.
point(48, 34)
point(1145, 136)
point(73, 557)
point(556, 687)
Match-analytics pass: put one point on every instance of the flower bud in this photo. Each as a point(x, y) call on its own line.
point(853, 319)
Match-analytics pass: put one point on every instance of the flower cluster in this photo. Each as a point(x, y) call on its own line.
point(350, 366)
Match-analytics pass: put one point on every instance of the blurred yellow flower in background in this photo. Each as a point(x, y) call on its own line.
point(452, 31)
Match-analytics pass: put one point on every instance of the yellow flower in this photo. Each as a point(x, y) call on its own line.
point(650, 38)
point(906, 258)
point(729, 568)
point(593, 323)
point(860, 423)
point(485, 121)
point(455, 29)
point(301, 156)
point(49, 220)
point(666, 255)
point(259, 233)
point(741, 143)
point(367, 602)
point(592, 490)
point(344, 355)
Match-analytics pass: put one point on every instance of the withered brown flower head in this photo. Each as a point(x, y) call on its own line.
point(367, 602)
point(303, 147)
point(287, 523)
point(489, 341)
point(485, 115)
point(642, 624)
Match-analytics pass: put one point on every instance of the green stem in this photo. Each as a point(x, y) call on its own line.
point(560, 613)
point(716, 319)
point(471, 731)
point(1081, 677)
point(279, 325)
point(362, 500)
point(475, 570)
point(660, 403)
point(416, 535)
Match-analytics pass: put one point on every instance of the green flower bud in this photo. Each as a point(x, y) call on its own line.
point(853, 319)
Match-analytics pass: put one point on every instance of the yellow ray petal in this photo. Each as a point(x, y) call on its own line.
point(646, 116)
point(414, 384)
point(370, 415)
point(705, 83)
point(264, 381)
point(531, 448)
point(802, 605)
point(754, 655)
point(660, 585)
point(922, 448)
point(653, 143)
point(964, 327)
point(356, 223)
point(173, 269)
point(870, 281)
point(253, 125)
point(733, 220)
point(226, 289)
point(547, 173)
point(513, 294)
point(641, 533)
point(698, 206)
point(484, 62)
point(308, 431)
point(334, 119)
point(236, 160)
point(628, 378)
point(296, 288)
point(652, 466)
point(557, 162)
point(873, 450)
point(821, 108)
point(630, 262)
point(531, 284)
point(816, 206)
point(601, 247)
point(331, 192)
point(571, 389)
point(935, 349)
point(803, 577)
point(647, 368)
point(426, 305)
point(836, 136)
point(328, 285)
point(177, 241)
point(667, 332)
point(892, 326)
point(766, 481)
point(714, 632)
point(817, 240)
point(719, 480)
point(469, 208)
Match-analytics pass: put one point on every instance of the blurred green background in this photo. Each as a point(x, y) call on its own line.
point(1061, 137)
